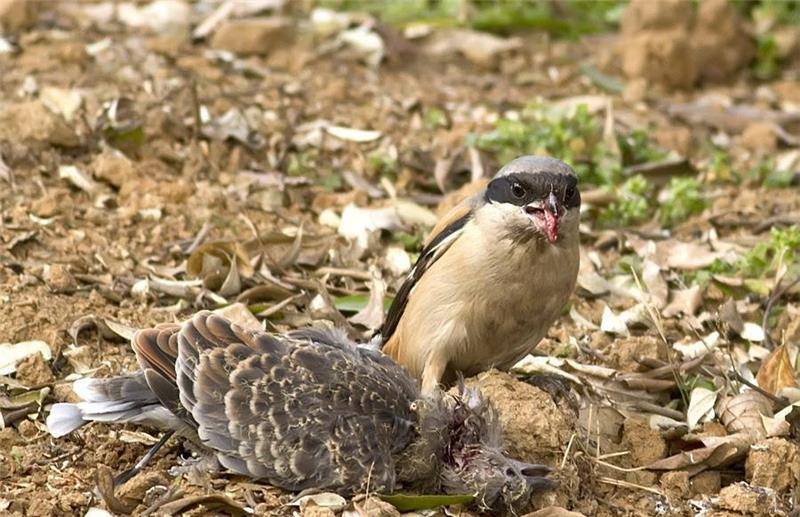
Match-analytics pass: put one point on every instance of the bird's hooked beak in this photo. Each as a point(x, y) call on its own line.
point(536, 476)
point(545, 213)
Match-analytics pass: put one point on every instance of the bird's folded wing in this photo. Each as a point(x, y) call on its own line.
point(305, 410)
point(443, 235)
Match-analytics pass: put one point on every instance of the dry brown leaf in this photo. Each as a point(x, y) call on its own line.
point(372, 315)
point(211, 502)
point(718, 452)
point(215, 257)
point(554, 511)
point(104, 481)
point(656, 285)
point(776, 372)
point(686, 256)
point(241, 315)
point(685, 301)
point(743, 412)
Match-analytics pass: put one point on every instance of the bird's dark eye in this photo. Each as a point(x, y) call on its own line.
point(570, 192)
point(517, 190)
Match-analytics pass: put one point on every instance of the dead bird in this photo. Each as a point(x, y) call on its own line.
point(307, 411)
point(493, 277)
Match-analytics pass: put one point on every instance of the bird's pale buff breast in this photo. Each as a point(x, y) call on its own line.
point(495, 304)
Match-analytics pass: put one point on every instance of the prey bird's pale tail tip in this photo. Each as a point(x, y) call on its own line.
point(63, 419)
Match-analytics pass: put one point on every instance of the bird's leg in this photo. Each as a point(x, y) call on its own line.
point(128, 474)
point(435, 367)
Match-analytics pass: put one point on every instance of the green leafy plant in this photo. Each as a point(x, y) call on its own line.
point(573, 136)
point(719, 166)
point(383, 164)
point(770, 176)
point(783, 247)
point(767, 62)
point(637, 148)
point(434, 118)
point(681, 199)
point(570, 18)
point(632, 204)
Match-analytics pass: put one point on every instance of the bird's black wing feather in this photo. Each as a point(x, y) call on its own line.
point(432, 251)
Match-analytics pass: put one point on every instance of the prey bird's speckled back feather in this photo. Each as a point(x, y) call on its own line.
point(306, 410)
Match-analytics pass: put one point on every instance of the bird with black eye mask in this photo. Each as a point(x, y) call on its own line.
point(492, 278)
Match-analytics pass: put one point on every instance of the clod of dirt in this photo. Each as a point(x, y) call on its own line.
point(645, 444)
point(113, 167)
point(253, 35)
point(32, 123)
point(720, 40)
point(134, 491)
point(643, 15)
point(52, 203)
point(34, 371)
point(655, 43)
point(747, 500)
point(707, 483)
point(660, 57)
point(312, 510)
point(676, 485)
point(759, 137)
point(27, 430)
point(8, 438)
point(788, 91)
point(535, 428)
point(774, 463)
point(41, 507)
point(668, 43)
point(676, 138)
point(625, 354)
point(17, 15)
point(64, 393)
point(58, 277)
point(372, 506)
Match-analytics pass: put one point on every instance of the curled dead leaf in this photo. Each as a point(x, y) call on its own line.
point(241, 315)
point(744, 412)
point(701, 406)
point(213, 260)
point(12, 355)
point(104, 481)
point(717, 451)
point(776, 372)
point(372, 315)
point(656, 285)
point(212, 503)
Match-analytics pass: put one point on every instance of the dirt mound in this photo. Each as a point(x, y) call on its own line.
point(670, 44)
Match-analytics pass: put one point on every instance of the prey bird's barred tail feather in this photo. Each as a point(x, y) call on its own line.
point(126, 398)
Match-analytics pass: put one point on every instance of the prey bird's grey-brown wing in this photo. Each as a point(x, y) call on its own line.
point(156, 351)
point(308, 410)
point(442, 237)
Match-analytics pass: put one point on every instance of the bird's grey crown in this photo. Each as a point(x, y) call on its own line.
point(535, 164)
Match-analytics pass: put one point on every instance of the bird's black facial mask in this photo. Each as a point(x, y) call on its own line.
point(543, 196)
